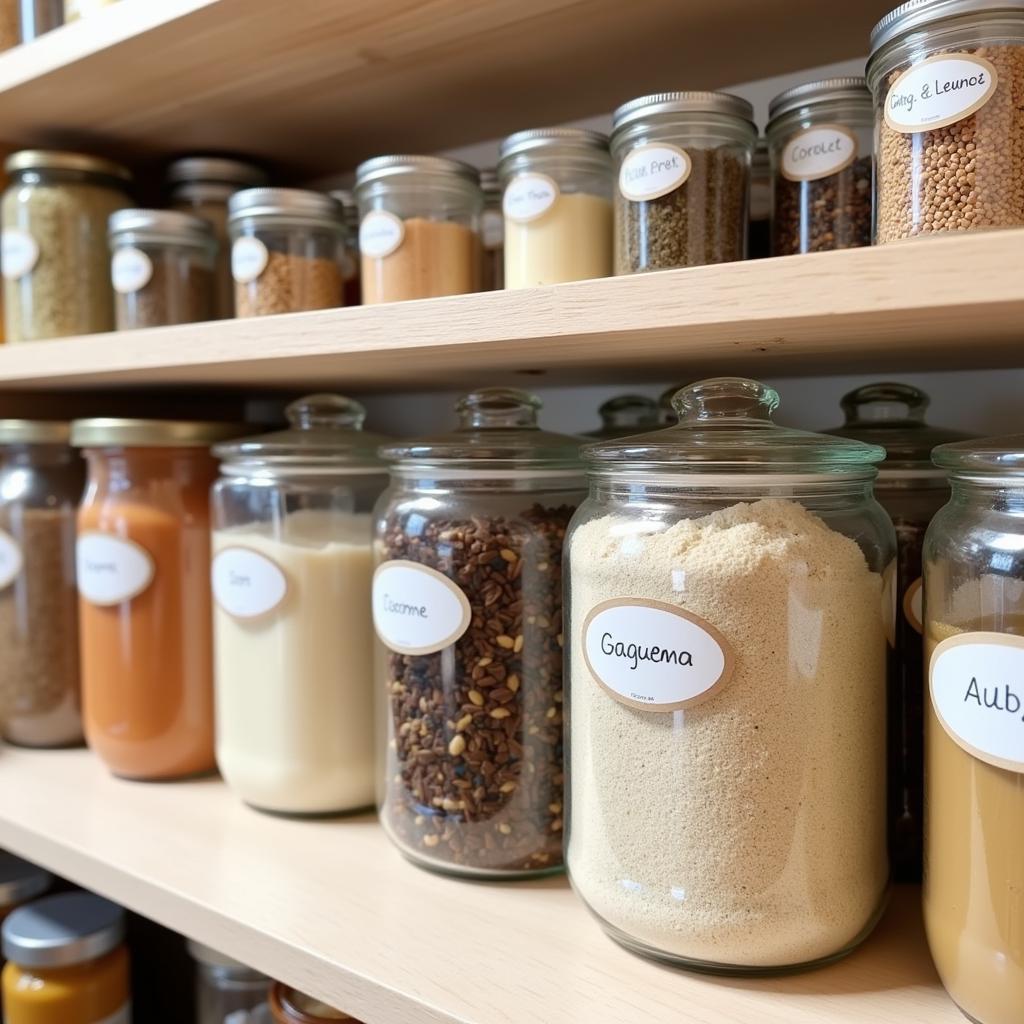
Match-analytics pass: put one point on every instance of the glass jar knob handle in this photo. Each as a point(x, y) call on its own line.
point(325, 412)
point(886, 401)
point(498, 408)
point(726, 398)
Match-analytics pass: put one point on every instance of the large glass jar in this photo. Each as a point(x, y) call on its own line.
point(419, 232)
point(624, 415)
point(143, 566)
point(228, 992)
point(292, 572)
point(41, 480)
point(821, 136)
point(557, 201)
point(683, 165)
point(467, 603)
point(947, 78)
point(974, 742)
point(55, 260)
point(727, 667)
point(20, 882)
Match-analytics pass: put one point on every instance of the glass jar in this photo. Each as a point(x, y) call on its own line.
point(143, 566)
point(759, 242)
point(75, 9)
point(55, 261)
point(467, 603)
point(350, 259)
point(947, 78)
point(66, 962)
point(974, 739)
point(625, 415)
point(666, 410)
point(821, 139)
point(557, 201)
point(228, 992)
point(290, 1006)
point(20, 882)
point(911, 489)
point(292, 572)
point(419, 232)
point(162, 268)
point(727, 669)
point(683, 164)
point(286, 251)
point(37, 17)
point(492, 233)
point(202, 185)
point(41, 480)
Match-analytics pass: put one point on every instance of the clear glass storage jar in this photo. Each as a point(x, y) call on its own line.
point(683, 165)
point(947, 78)
point(145, 616)
point(162, 268)
point(37, 17)
point(20, 882)
point(350, 258)
point(41, 481)
point(974, 741)
point(467, 604)
point(228, 992)
point(557, 202)
point(821, 136)
point(287, 250)
point(293, 636)
point(625, 415)
point(419, 229)
point(727, 669)
point(55, 260)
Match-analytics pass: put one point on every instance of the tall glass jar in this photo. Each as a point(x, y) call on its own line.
point(41, 480)
point(625, 415)
point(228, 992)
point(683, 166)
point(727, 668)
point(974, 743)
point(419, 230)
point(292, 572)
point(947, 78)
point(55, 260)
point(557, 201)
point(821, 140)
point(467, 604)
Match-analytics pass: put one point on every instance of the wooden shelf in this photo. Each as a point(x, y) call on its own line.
point(331, 908)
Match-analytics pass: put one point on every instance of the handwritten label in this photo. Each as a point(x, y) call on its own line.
point(11, 560)
point(19, 253)
point(655, 656)
point(939, 91)
point(130, 270)
point(111, 569)
point(977, 689)
point(247, 584)
point(528, 196)
point(249, 258)
point(913, 605)
point(654, 170)
point(818, 152)
point(380, 234)
point(417, 610)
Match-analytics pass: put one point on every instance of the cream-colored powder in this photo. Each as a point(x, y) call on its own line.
point(748, 830)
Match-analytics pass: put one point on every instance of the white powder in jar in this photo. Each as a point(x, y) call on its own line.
point(748, 830)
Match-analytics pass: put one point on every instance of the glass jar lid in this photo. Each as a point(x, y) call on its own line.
point(849, 89)
point(53, 160)
point(296, 204)
point(627, 412)
point(20, 880)
point(63, 930)
point(106, 432)
point(215, 170)
point(657, 104)
point(725, 426)
point(34, 432)
point(436, 169)
point(990, 457)
point(916, 14)
point(159, 226)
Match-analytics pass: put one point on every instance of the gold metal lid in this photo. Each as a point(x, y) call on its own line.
point(49, 159)
point(34, 432)
point(105, 432)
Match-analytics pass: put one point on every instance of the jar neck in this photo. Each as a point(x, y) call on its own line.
point(998, 494)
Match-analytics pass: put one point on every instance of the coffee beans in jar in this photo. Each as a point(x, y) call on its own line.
point(467, 606)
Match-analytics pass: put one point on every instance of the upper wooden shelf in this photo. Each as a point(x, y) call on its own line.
point(315, 87)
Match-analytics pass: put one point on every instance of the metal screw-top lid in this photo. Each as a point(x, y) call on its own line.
point(20, 881)
point(163, 224)
point(34, 432)
point(529, 141)
point(60, 931)
point(106, 432)
point(852, 89)
point(215, 170)
point(691, 102)
point(916, 14)
point(298, 203)
point(403, 165)
point(48, 159)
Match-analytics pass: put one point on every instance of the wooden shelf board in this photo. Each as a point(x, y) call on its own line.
point(331, 908)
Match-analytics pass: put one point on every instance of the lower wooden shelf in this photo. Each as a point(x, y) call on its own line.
point(331, 908)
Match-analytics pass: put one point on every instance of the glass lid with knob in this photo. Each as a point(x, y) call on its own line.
point(626, 414)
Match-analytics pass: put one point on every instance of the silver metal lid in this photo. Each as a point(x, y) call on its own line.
point(59, 931)
point(542, 138)
point(185, 226)
point(285, 202)
point(107, 432)
point(916, 14)
point(20, 880)
point(851, 88)
point(49, 159)
point(691, 102)
point(34, 432)
point(401, 164)
point(215, 169)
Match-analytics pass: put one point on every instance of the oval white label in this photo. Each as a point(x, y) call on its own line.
point(130, 270)
point(245, 583)
point(977, 688)
point(528, 196)
point(939, 91)
point(19, 253)
point(913, 604)
point(417, 610)
point(818, 152)
point(11, 559)
point(249, 258)
point(654, 170)
point(380, 234)
point(111, 569)
point(652, 655)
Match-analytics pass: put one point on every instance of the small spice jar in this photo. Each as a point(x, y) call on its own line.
point(492, 233)
point(290, 1006)
point(557, 201)
point(226, 990)
point(37, 17)
point(20, 882)
point(625, 415)
point(41, 480)
point(821, 139)
point(467, 604)
point(683, 165)
point(162, 268)
point(727, 668)
point(286, 251)
point(55, 260)
point(974, 741)
point(66, 962)
point(759, 242)
point(947, 78)
point(292, 573)
point(419, 231)
point(350, 258)
point(143, 566)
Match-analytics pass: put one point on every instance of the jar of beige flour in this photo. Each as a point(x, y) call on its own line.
point(727, 660)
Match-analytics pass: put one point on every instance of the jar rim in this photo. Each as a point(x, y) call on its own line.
point(395, 165)
point(173, 224)
point(214, 170)
point(301, 203)
point(34, 432)
point(987, 457)
point(103, 432)
point(917, 14)
point(684, 102)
